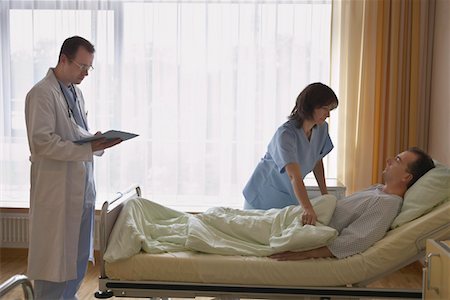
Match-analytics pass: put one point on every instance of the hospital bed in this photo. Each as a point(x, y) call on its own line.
point(190, 274)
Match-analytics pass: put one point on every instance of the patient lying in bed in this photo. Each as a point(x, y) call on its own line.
point(361, 220)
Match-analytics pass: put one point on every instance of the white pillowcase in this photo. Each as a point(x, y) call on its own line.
point(429, 191)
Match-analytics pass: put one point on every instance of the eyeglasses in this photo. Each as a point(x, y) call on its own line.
point(399, 161)
point(83, 68)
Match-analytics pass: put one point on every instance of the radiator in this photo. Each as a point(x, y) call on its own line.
point(14, 230)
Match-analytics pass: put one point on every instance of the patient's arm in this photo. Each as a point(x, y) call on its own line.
point(314, 253)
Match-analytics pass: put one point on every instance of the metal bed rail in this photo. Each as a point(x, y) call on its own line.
point(13, 282)
point(154, 290)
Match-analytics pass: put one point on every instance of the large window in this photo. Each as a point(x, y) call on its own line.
point(205, 84)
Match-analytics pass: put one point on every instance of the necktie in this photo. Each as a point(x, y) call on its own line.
point(75, 110)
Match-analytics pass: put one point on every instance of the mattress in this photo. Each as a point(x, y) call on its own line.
point(398, 247)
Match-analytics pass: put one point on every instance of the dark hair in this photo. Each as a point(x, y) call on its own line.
point(420, 166)
point(313, 96)
point(70, 47)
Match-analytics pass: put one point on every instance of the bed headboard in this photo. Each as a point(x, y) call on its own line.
point(108, 216)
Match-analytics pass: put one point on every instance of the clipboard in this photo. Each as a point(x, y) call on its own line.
point(109, 135)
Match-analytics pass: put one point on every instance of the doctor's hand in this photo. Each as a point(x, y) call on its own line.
point(309, 216)
point(102, 144)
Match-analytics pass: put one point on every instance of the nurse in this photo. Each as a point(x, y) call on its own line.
point(296, 149)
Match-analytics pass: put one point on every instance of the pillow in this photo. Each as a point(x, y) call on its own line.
point(430, 190)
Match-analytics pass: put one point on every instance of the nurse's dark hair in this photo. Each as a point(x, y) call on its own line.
point(313, 96)
point(420, 166)
point(70, 47)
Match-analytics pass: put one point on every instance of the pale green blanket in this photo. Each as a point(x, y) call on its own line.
point(153, 228)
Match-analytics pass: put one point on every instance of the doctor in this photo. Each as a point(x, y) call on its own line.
point(296, 149)
point(62, 194)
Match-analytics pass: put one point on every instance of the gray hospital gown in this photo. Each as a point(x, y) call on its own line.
point(362, 219)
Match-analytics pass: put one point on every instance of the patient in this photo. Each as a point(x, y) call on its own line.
point(364, 217)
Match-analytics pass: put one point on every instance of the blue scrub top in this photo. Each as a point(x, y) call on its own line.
point(269, 186)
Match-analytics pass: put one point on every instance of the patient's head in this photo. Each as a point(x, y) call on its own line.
point(406, 168)
point(420, 166)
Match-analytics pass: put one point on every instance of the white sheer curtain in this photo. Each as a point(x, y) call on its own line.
point(205, 84)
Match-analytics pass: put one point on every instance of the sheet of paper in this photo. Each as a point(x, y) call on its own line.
point(109, 135)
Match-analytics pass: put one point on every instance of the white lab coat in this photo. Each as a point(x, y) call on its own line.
point(57, 182)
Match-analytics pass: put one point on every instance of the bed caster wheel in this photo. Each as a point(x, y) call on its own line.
point(103, 294)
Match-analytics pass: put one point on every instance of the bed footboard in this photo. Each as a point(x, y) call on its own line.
point(108, 216)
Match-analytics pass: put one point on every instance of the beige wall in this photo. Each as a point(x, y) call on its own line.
point(439, 138)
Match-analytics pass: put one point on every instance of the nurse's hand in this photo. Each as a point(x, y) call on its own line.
point(309, 216)
point(102, 144)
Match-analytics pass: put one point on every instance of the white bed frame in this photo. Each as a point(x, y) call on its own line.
point(156, 289)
